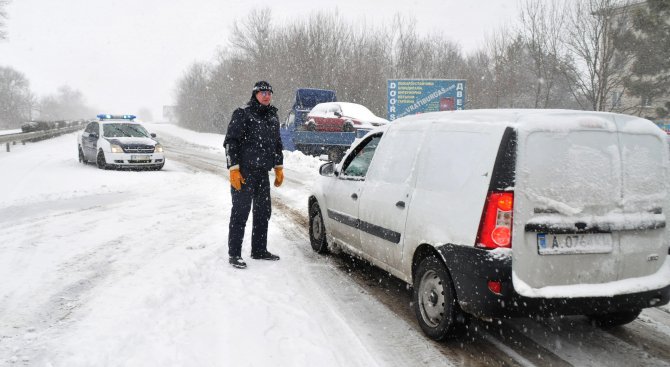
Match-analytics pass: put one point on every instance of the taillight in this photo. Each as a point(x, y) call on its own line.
point(495, 228)
point(495, 287)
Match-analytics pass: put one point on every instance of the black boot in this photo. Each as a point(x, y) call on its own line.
point(265, 256)
point(237, 262)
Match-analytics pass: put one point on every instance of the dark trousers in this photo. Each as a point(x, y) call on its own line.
point(255, 191)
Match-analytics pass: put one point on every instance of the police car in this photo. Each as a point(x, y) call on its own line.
point(117, 141)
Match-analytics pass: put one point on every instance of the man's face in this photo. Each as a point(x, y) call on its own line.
point(264, 97)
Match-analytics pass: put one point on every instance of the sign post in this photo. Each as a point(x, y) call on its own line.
point(412, 96)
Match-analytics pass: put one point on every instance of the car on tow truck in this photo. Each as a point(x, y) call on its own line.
point(342, 117)
point(118, 141)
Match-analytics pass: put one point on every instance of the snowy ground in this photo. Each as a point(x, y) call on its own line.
point(118, 268)
point(130, 269)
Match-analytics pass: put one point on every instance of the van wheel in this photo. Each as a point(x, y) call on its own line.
point(434, 299)
point(102, 164)
point(311, 125)
point(317, 230)
point(613, 319)
point(82, 158)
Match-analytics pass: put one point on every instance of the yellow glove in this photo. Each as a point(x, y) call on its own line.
point(236, 179)
point(279, 176)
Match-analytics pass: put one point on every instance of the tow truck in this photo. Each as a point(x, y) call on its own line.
point(296, 136)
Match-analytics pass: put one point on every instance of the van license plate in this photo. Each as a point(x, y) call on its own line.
point(566, 244)
point(143, 158)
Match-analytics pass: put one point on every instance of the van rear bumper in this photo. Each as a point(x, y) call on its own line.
point(472, 268)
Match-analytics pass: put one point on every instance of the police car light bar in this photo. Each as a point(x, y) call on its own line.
point(116, 117)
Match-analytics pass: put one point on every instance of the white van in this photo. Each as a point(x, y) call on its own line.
point(504, 213)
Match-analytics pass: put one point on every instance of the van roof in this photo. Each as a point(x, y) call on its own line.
point(538, 119)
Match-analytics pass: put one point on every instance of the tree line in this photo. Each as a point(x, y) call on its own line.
point(562, 54)
point(18, 104)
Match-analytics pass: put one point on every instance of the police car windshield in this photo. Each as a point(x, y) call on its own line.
point(119, 130)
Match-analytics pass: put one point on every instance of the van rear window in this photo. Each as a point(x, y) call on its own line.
point(578, 168)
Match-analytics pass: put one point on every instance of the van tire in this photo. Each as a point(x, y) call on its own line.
point(434, 299)
point(317, 230)
point(100, 160)
point(311, 125)
point(614, 319)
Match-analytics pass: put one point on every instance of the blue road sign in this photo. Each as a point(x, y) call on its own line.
point(412, 96)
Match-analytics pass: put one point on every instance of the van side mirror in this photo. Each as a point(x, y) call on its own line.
point(338, 114)
point(153, 135)
point(327, 169)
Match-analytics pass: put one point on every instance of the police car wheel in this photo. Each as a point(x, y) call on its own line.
point(317, 231)
point(82, 158)
point(434, 299)
point(102, 164)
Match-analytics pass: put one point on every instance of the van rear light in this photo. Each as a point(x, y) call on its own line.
point(495, 287)
point(495, 228)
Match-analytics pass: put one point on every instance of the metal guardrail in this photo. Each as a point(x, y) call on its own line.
point(12, 139)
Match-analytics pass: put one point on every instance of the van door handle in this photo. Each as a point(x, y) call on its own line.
point(400, 205)
point(354, 196)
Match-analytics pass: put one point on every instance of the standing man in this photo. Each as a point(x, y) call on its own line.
point(253, 147)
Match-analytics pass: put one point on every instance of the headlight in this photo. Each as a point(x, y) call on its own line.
point(116, 148)
point(158, 148)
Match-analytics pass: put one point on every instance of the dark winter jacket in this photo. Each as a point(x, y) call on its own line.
point(253, 141)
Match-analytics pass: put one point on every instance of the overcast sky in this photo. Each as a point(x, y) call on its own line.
point(127, 54)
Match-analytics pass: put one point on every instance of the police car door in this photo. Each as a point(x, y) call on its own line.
point(89, 140)
point(387, 194)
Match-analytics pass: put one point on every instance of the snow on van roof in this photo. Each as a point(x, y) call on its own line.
point(540, 119)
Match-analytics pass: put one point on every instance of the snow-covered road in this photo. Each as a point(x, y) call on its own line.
point(118, 268)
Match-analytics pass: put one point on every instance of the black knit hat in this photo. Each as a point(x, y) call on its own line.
point(261, 86)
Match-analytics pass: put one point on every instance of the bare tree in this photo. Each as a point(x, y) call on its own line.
point(252, 37)
point(66, 104)
point(542, 25)
point(15, 98)
point(480, 80)
point(502, 48)
point(515, 69)
point(598, 68)
point(405, 47)
point(194, 99)
point(322, 51)
point(3, 18)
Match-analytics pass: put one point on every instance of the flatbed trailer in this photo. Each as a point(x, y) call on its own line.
point(334, 144)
